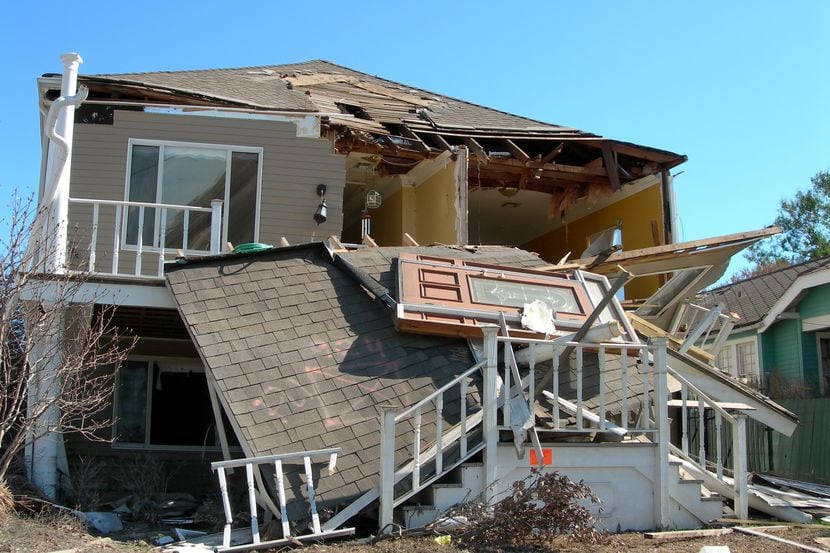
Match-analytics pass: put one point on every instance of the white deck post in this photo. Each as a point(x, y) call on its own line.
point(490, 406)
point(216, 227)
point(661, 408)
point(740, 467)
point(387, 468)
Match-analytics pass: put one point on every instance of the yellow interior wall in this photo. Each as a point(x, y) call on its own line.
point(387, 220)
point(425, 212)
point(435, 214)
point(636, 212)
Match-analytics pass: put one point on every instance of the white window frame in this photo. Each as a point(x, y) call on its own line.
point(736, 361)
point(159, 178)
point(190, 363)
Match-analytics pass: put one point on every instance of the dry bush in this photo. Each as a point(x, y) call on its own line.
point(539, 509)
point(6, 500)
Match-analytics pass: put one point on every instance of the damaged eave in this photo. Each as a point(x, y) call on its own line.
point(672, 256)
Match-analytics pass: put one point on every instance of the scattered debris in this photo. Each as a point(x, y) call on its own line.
point(714, 549)
point(686, 534)
point(778, 539)
point(105, 523)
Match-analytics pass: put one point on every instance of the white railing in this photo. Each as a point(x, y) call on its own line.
point(138, 250)
point(692, 399)
point(639, 385)
point(251, 465)
point(644, 392)
point(697, 324)
point(430, 460)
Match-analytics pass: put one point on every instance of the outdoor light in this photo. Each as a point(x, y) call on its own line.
point(321, 214)
point(373, 199)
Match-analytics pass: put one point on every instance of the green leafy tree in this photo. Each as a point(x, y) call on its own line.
point(805, 228)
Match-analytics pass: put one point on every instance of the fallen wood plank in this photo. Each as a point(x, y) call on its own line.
point(686, 534)
point(778, 539)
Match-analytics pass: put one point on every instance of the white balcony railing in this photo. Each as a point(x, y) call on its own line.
point(172, 232)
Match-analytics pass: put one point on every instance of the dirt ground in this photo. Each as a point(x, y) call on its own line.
point(65, 534)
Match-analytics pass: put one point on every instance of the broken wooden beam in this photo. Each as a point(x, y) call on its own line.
point(553, 154)
point(686, 534)
point(514, 149)
point(611, 166)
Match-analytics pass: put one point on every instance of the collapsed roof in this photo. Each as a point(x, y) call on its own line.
point(364, 113)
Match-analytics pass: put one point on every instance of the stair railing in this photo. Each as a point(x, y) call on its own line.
point(693, 399)
point(429, 451)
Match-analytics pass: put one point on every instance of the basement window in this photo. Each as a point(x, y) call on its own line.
point(163, 403)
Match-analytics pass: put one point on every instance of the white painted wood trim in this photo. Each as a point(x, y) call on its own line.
point(802, 283)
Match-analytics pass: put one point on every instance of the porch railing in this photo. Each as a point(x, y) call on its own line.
point(729, 431)
point(159, 249)
point(251, 466)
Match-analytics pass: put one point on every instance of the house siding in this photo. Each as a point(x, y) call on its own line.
point(782, 349)
point(292, 167)
point(816, 302)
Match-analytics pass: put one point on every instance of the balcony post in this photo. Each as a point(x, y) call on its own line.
point(216, 227)
point(661, 412)
point(739, 466)
point(490, 407)
point(387, 468)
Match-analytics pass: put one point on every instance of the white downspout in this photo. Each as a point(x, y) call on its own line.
point(59, 128)
point(43, 443)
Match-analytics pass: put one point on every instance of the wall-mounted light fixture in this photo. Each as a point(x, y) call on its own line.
point(321, 214)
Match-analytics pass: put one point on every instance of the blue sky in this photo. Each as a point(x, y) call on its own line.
point(742, 88)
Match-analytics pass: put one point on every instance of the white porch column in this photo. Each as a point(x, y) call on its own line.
point(740, 466)
point(490, 408)
point(661, 414)
point(43, 413)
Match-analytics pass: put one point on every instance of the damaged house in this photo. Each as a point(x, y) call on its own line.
point(430, 297)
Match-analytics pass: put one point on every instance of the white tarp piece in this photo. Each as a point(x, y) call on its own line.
point(538, 317)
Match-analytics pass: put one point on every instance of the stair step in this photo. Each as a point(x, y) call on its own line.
point(690, 481)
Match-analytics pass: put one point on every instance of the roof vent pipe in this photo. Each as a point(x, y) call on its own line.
point(59, 127)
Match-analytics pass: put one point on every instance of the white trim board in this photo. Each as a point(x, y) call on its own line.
point(802, 283)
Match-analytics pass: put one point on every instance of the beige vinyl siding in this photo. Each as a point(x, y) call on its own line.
point(291, 169)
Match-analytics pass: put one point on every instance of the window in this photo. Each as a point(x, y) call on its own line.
point(747, 358)
point(496, 291)
point(724, 360)
point(163, 402)
point(739, 358)
point(191, 175)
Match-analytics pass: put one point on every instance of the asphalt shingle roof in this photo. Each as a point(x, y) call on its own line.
point(303, 358)
point(752, 298)
point(267, 87)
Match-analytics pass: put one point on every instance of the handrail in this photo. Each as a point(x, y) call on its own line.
point(440, 391)
point(129, 203)
point(723, 412)
point(233, 463)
